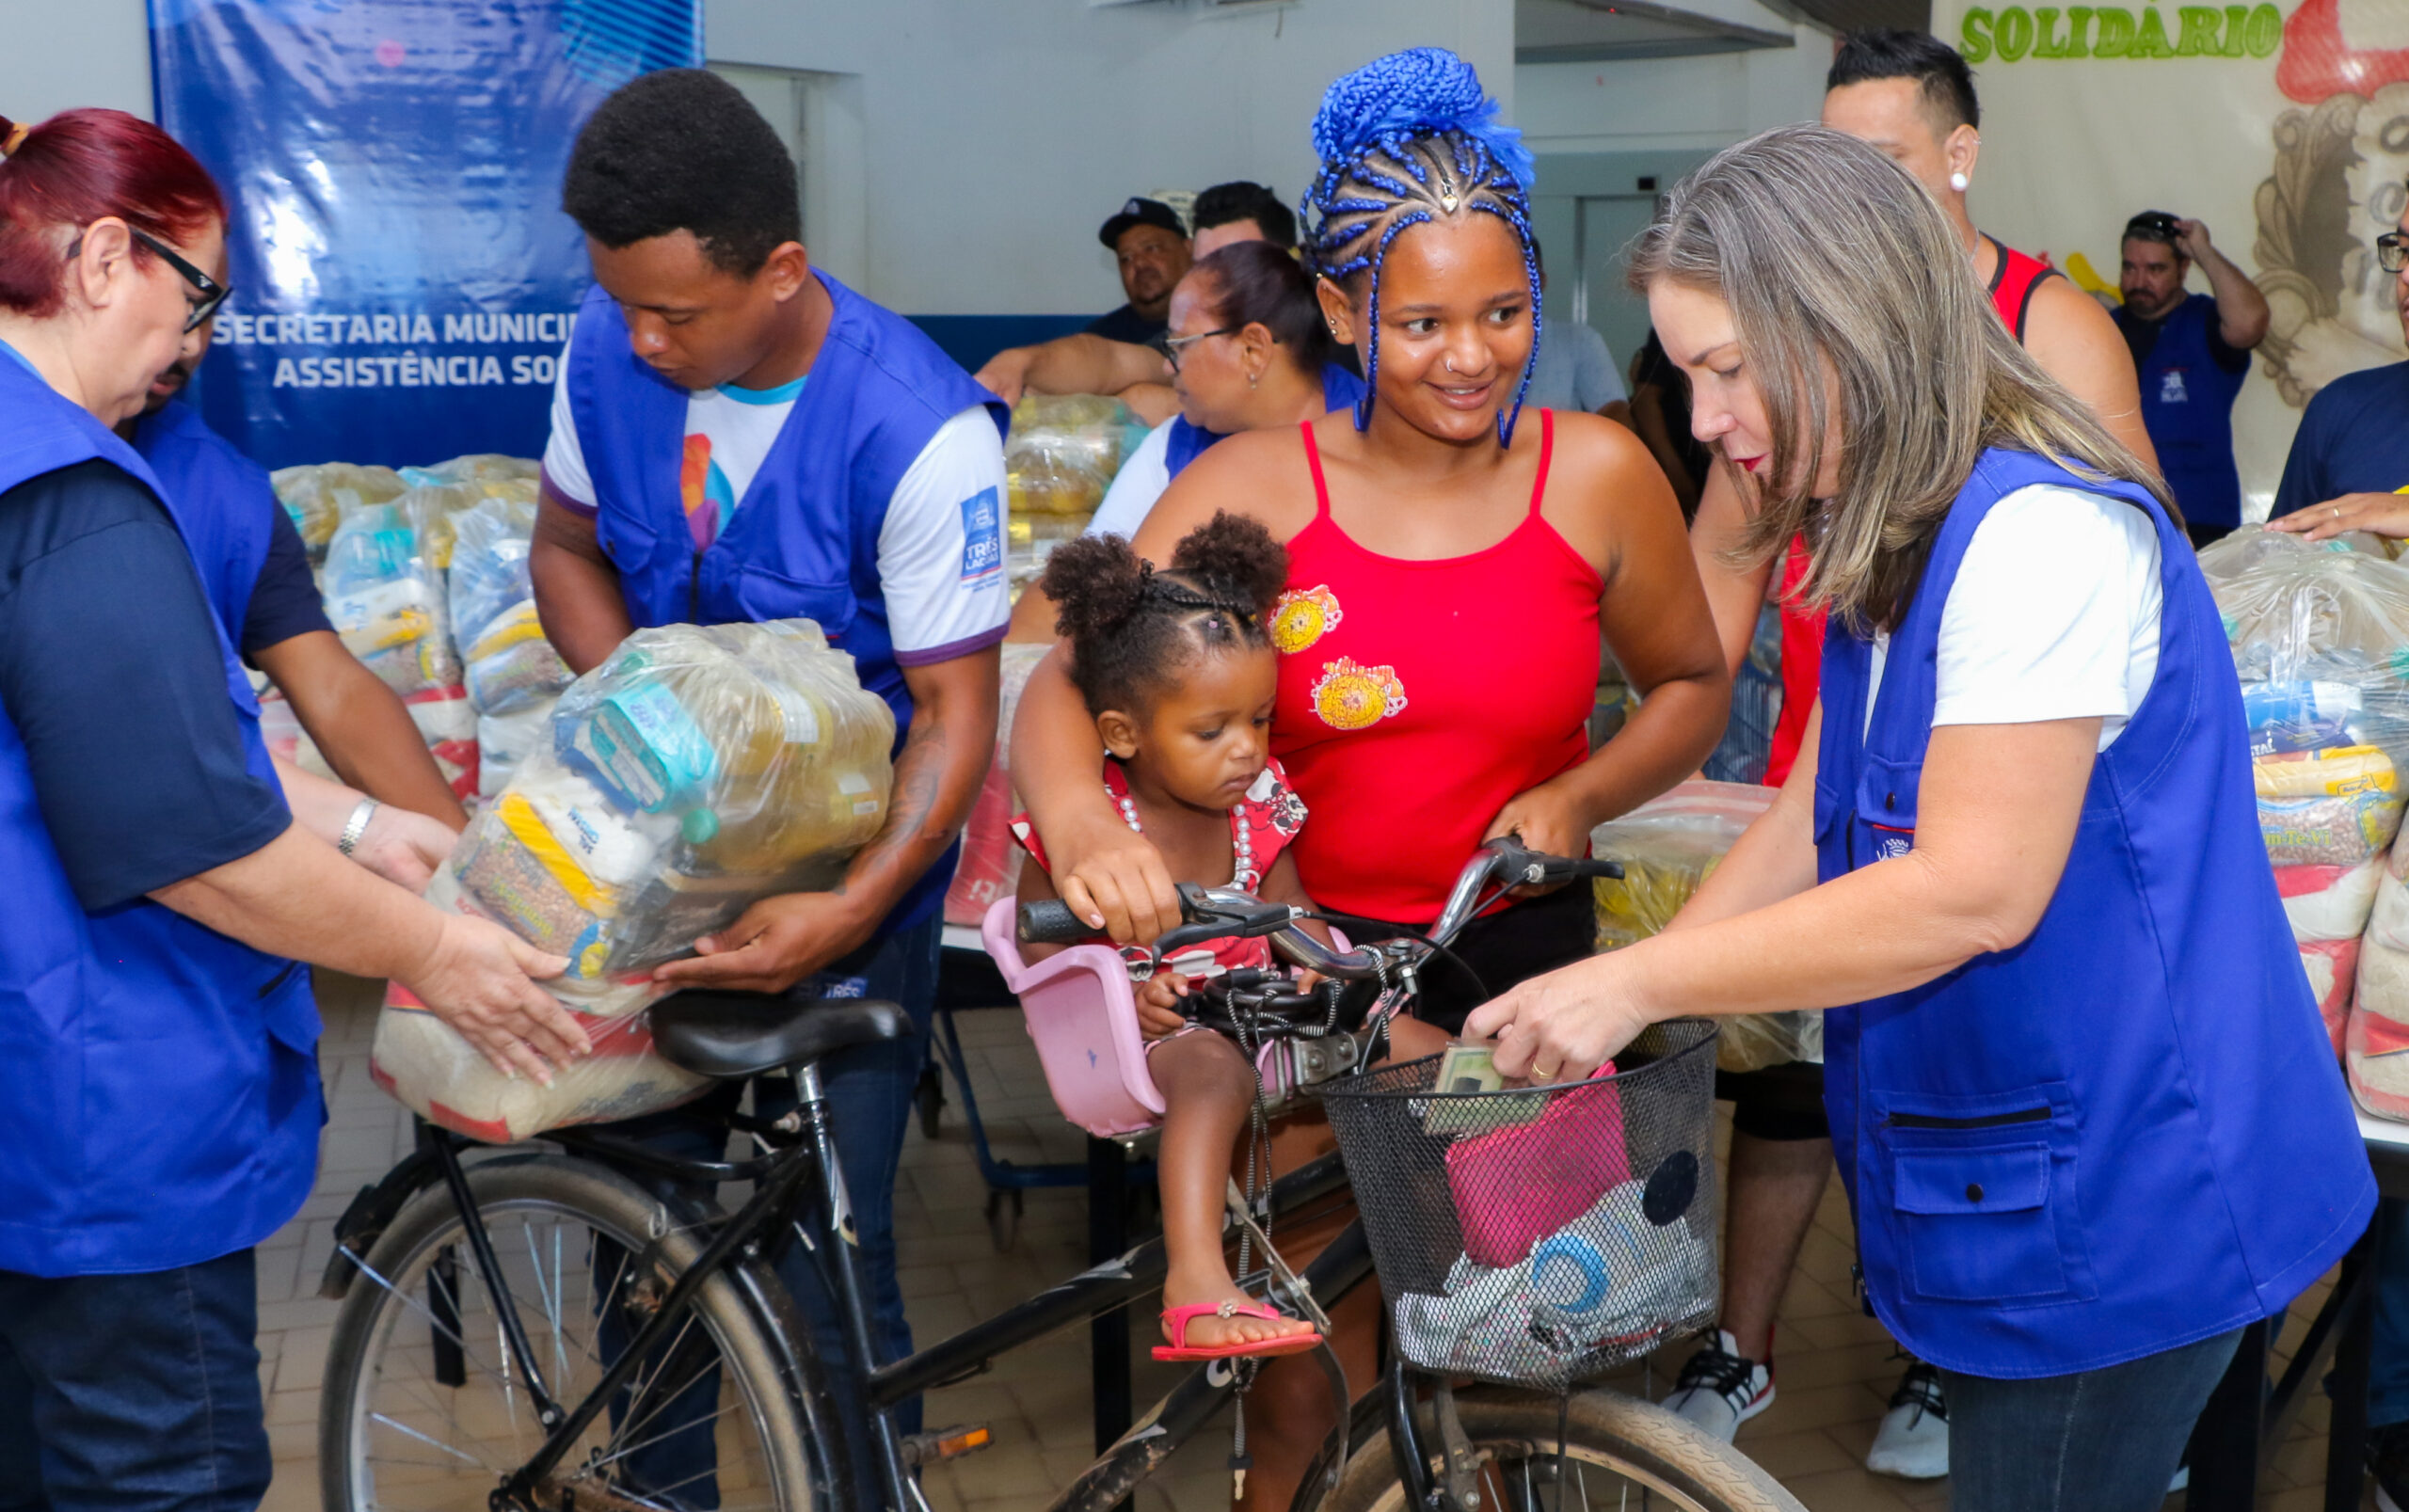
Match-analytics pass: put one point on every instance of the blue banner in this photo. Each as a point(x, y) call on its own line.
point(404, 277)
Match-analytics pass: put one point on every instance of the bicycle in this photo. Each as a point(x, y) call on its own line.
point(540, 1330)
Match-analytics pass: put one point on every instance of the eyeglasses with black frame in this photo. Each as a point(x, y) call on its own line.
point(1176, 347)
point(2392, 251)
point(212, 294)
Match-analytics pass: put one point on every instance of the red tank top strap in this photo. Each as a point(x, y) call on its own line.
point(2012, 285)
point(1547, 454)
point(1313, 460)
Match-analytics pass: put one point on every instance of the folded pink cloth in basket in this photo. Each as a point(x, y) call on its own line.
point(1514, 1187)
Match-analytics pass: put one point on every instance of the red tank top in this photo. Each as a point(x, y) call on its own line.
point(1802, 629)
point(1417, 697)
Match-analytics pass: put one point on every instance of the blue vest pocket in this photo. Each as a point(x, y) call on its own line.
point(763, 594)
point(1976, 1224)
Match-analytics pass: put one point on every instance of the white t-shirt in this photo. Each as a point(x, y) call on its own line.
point(940, 548)
point(2054, 615)
point(1141, 480)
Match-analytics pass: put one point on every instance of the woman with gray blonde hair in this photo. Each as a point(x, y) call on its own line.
point(2088, 1119)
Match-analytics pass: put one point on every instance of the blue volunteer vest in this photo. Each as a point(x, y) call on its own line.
point(1340, 389)
point(2127, 1133)
point(163, 1103)
point(221, 500)
point(804, 539)
point(2187, 406)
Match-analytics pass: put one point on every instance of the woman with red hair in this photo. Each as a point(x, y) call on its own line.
point(155, 1027)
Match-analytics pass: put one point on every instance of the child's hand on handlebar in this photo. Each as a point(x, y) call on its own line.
point(1158, 1000)
point(1564, 1026)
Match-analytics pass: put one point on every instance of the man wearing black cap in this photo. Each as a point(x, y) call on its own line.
point(1152, 244)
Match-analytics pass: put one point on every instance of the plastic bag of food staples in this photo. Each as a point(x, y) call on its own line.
point(387, 601)
point(422, 1064)
point(1064, 450)
point(1668, 847)
point(990, 866)
point(509, 665)
point(2376, 1046)
point(697, 769)
point(319, 494)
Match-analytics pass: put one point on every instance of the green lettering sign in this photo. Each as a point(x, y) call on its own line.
point(2265, 32)
point(2115, 33)
point(1974, 34)
point(2013, 35)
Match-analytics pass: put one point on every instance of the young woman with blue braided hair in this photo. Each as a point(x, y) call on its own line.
point(1452, 562)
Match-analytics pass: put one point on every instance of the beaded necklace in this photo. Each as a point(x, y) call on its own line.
point(1242, 837)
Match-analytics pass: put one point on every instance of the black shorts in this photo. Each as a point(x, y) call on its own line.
point(1782, 1103)
point(1510, 945)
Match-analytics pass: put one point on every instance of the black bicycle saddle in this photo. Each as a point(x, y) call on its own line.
point(731, 1034)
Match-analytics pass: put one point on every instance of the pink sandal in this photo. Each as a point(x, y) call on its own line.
point(1180, 1349)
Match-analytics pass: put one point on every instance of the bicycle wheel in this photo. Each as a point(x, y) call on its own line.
point(1618, 1452)
point(425, 1411)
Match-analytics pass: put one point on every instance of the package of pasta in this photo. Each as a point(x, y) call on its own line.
point(1668, 847)
point(317, 495)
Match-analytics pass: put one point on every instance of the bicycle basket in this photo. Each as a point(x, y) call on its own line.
point(1540, 1236)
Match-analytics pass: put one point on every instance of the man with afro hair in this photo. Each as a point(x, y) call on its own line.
point(739, 436)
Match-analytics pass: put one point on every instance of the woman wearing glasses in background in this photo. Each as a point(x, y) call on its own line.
point(162, 1107)
point(1249, 351)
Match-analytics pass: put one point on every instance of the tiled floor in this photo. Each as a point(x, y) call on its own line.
point(1836, 1369)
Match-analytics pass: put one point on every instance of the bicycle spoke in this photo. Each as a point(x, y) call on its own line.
point(419, 1444)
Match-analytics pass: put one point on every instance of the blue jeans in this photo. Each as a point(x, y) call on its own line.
point(868, 1091)
point(133, 1394)
point(2098, 1440)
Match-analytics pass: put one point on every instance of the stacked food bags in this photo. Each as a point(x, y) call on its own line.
point(698, 770)
point(1669, 847)
point(513, 675)
point(2320, 638)
point(387, 601)
point(1063, 453)
point(319, 494)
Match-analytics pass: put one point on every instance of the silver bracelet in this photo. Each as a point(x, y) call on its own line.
point(357, 825)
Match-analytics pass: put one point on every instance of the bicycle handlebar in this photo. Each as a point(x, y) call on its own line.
point(1222, 912)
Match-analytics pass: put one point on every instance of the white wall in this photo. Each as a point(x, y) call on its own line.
point(83, 53)
point(997, 136)
point(1673, 104)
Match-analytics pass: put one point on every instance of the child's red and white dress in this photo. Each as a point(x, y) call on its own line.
point(1261, 825)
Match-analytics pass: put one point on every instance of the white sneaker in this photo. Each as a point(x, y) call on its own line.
point(1718, 1389)
point(1913, 1440)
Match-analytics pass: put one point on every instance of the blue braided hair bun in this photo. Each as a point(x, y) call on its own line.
point(1417, 92)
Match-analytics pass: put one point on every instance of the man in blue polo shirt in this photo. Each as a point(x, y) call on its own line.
point(2350, 456)
point(2191, 352)
point(257, 572)
point(737, 436)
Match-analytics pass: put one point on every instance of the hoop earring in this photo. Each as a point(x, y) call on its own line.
point(1959, 183)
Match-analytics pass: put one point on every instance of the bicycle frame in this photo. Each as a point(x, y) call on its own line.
point(789, 1180)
